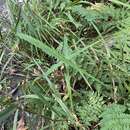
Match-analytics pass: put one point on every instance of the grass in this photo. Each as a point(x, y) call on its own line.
point(62, 63)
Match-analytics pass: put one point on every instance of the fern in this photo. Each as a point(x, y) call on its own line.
point(90, 13)
point(115, 118)
point(101, 15)
point(99, 11)
point(90, 108)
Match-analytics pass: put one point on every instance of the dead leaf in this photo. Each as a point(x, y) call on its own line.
point(36, 72)
point(21, 124)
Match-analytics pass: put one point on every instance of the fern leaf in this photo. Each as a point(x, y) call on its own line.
point(115, 118)
point(90, 108)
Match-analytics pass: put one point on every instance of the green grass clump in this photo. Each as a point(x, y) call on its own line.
point(62, 63)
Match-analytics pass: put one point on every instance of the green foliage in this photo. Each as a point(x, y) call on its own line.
point(62, 62)
point(5, 113)
point(105, 16)
point(90, 108)
point(115, 118)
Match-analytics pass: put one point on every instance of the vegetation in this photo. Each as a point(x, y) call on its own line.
point(65, 65)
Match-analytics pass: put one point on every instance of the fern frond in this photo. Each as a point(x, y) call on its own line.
point(115, 118)
point(89, 15)
point(96, 11)
point(90, 108)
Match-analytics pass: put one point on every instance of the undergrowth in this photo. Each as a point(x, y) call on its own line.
point(65, 65)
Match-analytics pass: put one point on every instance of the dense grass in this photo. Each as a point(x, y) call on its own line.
point(65, 65)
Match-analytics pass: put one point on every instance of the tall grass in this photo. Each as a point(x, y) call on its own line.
point(70, 60)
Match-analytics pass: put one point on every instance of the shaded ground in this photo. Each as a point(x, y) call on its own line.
point(10, 70)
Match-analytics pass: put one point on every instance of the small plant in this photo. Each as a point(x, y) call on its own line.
point(90, 108)
point(115, 117)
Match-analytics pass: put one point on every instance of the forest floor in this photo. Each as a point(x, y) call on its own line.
point(65, 65)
